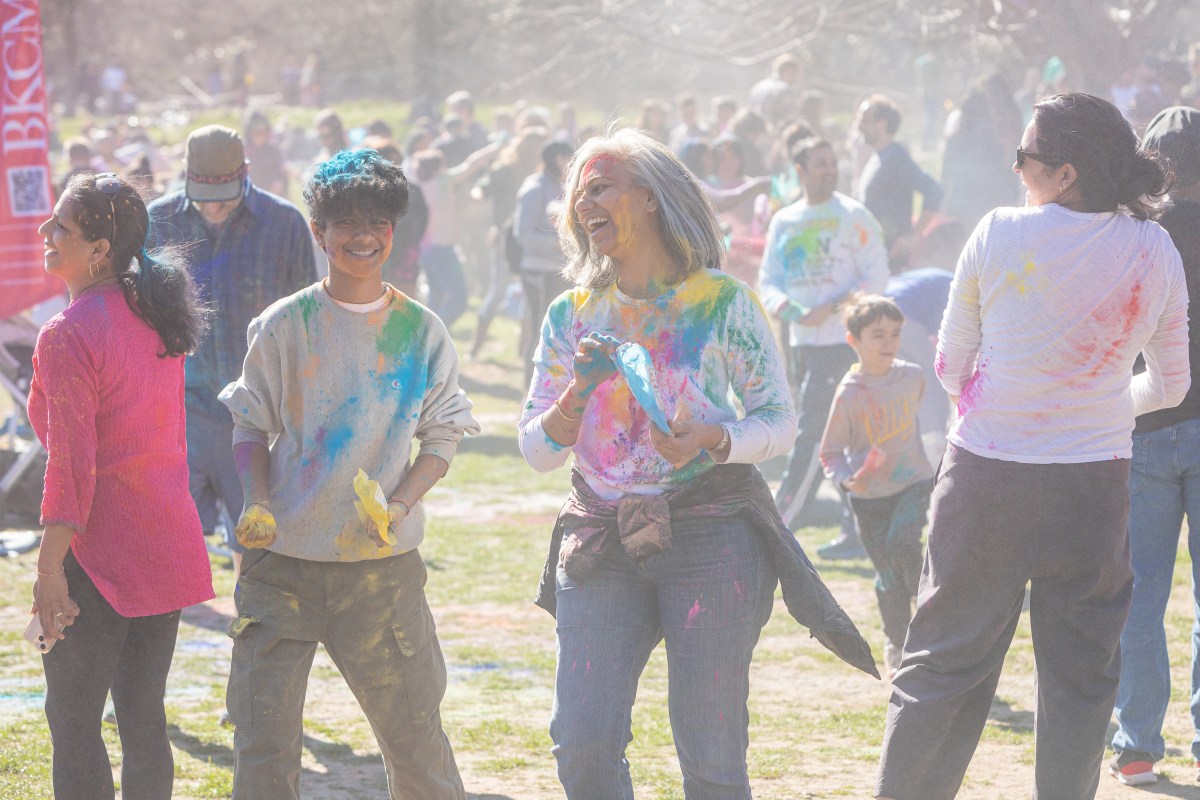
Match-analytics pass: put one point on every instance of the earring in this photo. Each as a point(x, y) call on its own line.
point(92, 269)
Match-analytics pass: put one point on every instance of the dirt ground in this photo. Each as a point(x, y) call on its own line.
point(816, 724)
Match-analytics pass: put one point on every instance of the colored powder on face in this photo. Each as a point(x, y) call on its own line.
point(598, 165)
point(622, 220)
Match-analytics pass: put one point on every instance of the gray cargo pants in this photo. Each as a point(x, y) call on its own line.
point(376, 626)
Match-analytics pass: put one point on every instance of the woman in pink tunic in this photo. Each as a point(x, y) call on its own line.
point(122, 551)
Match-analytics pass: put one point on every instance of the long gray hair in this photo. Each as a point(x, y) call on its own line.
point(687, 220)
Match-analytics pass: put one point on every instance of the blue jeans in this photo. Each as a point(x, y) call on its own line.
point(1164, 484)
point(708, 597)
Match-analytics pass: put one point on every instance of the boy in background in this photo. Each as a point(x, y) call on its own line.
point(872, 450)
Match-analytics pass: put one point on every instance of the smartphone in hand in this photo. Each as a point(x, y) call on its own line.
point(34, 635)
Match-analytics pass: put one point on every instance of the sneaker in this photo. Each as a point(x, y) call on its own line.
point(842, 548)
point(1132, 768)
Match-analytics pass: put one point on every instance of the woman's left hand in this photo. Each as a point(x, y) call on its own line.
point(687, 438)
point(53, 604)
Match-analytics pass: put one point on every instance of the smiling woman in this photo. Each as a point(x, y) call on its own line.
point(667, 535)
point(122, 552)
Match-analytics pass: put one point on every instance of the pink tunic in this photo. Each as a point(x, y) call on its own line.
point(110, 413)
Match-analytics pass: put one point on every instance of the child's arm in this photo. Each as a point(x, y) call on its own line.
point(835, 442)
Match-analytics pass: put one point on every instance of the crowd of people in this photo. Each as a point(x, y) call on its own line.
point(697, 296)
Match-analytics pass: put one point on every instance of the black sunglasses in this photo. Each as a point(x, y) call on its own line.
point(110, 186)
point(1049, 161)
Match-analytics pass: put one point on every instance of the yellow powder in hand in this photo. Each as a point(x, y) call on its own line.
point(372, 505)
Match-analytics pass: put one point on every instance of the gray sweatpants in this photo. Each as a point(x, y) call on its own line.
point(376, 626)
point(996, 525)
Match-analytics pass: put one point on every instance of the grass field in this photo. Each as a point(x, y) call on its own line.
point(816, 724)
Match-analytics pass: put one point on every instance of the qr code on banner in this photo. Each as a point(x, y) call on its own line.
point(29, 191)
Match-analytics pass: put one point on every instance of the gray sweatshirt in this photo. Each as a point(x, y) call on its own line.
point(331, 391)
point(877, 411)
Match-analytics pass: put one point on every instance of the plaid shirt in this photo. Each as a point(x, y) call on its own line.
point(262, 253)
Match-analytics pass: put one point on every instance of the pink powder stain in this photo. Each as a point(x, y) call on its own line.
point(693, 615)
point(739, 590)
point(971, 393)
point(939, 365)
point(1129, 311)
point(717, 676)
point(597, 165)
point(720, 716)
point(588, 667)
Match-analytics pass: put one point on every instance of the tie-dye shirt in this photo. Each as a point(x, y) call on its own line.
point(332, 391)
point(1048, 310)
point(706, 335)
point(818, 254)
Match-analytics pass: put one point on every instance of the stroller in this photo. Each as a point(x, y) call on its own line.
point(22, 457)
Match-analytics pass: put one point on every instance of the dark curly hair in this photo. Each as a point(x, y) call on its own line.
point(355, 180)
point(1091, 135)
point(159, 289)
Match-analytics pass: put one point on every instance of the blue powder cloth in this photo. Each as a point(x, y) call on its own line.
point(633, 362)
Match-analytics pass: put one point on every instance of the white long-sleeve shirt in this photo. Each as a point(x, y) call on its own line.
point(1048, 310)
point(818, 254)
point(705, 335)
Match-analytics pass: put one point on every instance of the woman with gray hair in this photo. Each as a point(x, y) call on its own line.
point(670, 531)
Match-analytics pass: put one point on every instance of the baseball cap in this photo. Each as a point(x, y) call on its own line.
point(216, 165)
point(1175, 133)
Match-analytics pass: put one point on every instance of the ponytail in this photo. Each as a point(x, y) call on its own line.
point(162, 293)
point(159, 289)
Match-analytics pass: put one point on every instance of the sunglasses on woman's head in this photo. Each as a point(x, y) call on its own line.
point(1049, 161)
point(109, 185)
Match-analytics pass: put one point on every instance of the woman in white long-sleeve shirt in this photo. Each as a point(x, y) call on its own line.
point(1050, 306)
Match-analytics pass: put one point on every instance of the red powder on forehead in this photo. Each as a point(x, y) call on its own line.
point(597, 163)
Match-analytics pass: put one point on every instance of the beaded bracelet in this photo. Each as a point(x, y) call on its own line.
point(61, 570)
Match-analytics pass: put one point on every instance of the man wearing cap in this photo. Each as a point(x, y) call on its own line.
point(246, 248)
point(1164, 486)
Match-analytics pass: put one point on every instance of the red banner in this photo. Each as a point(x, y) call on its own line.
point(26, 197)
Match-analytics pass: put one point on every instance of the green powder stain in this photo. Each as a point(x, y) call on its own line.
point(398, 332)
point(308, 306)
